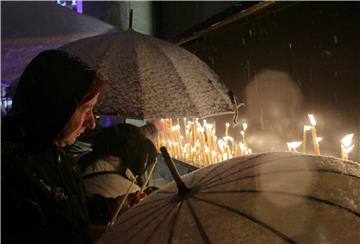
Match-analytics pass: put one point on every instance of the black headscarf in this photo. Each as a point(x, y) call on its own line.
point(49, 90)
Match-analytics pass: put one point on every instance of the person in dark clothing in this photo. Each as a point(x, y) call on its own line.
point(43, 198)
point(120, 152)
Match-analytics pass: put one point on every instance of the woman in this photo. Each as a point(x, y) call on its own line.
point(43, 200)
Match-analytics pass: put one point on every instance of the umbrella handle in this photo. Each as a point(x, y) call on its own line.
point(182, 188)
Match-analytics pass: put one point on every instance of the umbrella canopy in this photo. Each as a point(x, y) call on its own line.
point(30, 27)
point(263, 198)
point(151, 78)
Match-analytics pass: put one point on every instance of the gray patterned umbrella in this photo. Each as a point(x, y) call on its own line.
point(263, 198)
point(151, 78)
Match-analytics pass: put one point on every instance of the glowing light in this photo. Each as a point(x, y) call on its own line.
point(346, 140)
point(244, 126)
point(348, 149)
point(79, 6)
point(307, 127)
point(293, 145)
point(312, 119)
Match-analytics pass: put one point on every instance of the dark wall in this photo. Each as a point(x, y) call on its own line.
point(293, 59)
point(177, 17)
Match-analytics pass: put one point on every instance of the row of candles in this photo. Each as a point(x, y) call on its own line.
point(198, 144)
point(346, 145)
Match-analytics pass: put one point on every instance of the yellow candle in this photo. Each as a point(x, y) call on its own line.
point(243, 137)
point(243, 132)
point(123, 200)
point(315, 142)
point(344, 156)
point(306, 128)
point(227, 129)
point(314, 134)
point(346, 146)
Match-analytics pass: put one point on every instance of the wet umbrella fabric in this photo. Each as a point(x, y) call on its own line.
point(151, 78)
point(264, 198)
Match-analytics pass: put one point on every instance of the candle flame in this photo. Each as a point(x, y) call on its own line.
point(346, 140)
point(294, 144)
point(242, 146)
point(348, 149)
point(319, 139)
point(242, 133)
point(228, 138)
point(227, 124)
point(209, 126)
point(312, 119)
point(244, 126)
point(307, 127)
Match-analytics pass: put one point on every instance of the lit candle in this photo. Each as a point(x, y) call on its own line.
point(313, 134)
point(346, 146)
point(306, 128)
point(243, 132)
point(243, 148)
point(227, 129)
point(123, 200)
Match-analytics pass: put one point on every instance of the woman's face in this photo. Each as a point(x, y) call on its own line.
point(81, 119)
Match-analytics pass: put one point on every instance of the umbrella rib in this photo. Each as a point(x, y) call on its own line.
point(251, 218)
point(198, 224)
point(150, 220)
point(186, 93)
point(158, 226)
point(276, 172)
point(145, 217)
point(200, 182)
point(153, 205)
point(174, 220)
point(245, 168)
point(311, 198)
point(206, 175)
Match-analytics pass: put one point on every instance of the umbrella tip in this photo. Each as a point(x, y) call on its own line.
point(130, 19)
point(182, 188)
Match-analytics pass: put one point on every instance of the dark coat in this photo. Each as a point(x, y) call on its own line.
point(43, 199)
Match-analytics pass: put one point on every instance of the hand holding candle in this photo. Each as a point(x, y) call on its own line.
point(123, 200)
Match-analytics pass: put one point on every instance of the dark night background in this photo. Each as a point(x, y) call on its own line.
point(286, 61)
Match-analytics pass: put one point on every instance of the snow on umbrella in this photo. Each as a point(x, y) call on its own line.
point(151, 78)
point(263, 198)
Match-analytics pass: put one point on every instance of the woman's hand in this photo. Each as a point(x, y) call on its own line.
point(135, 198)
